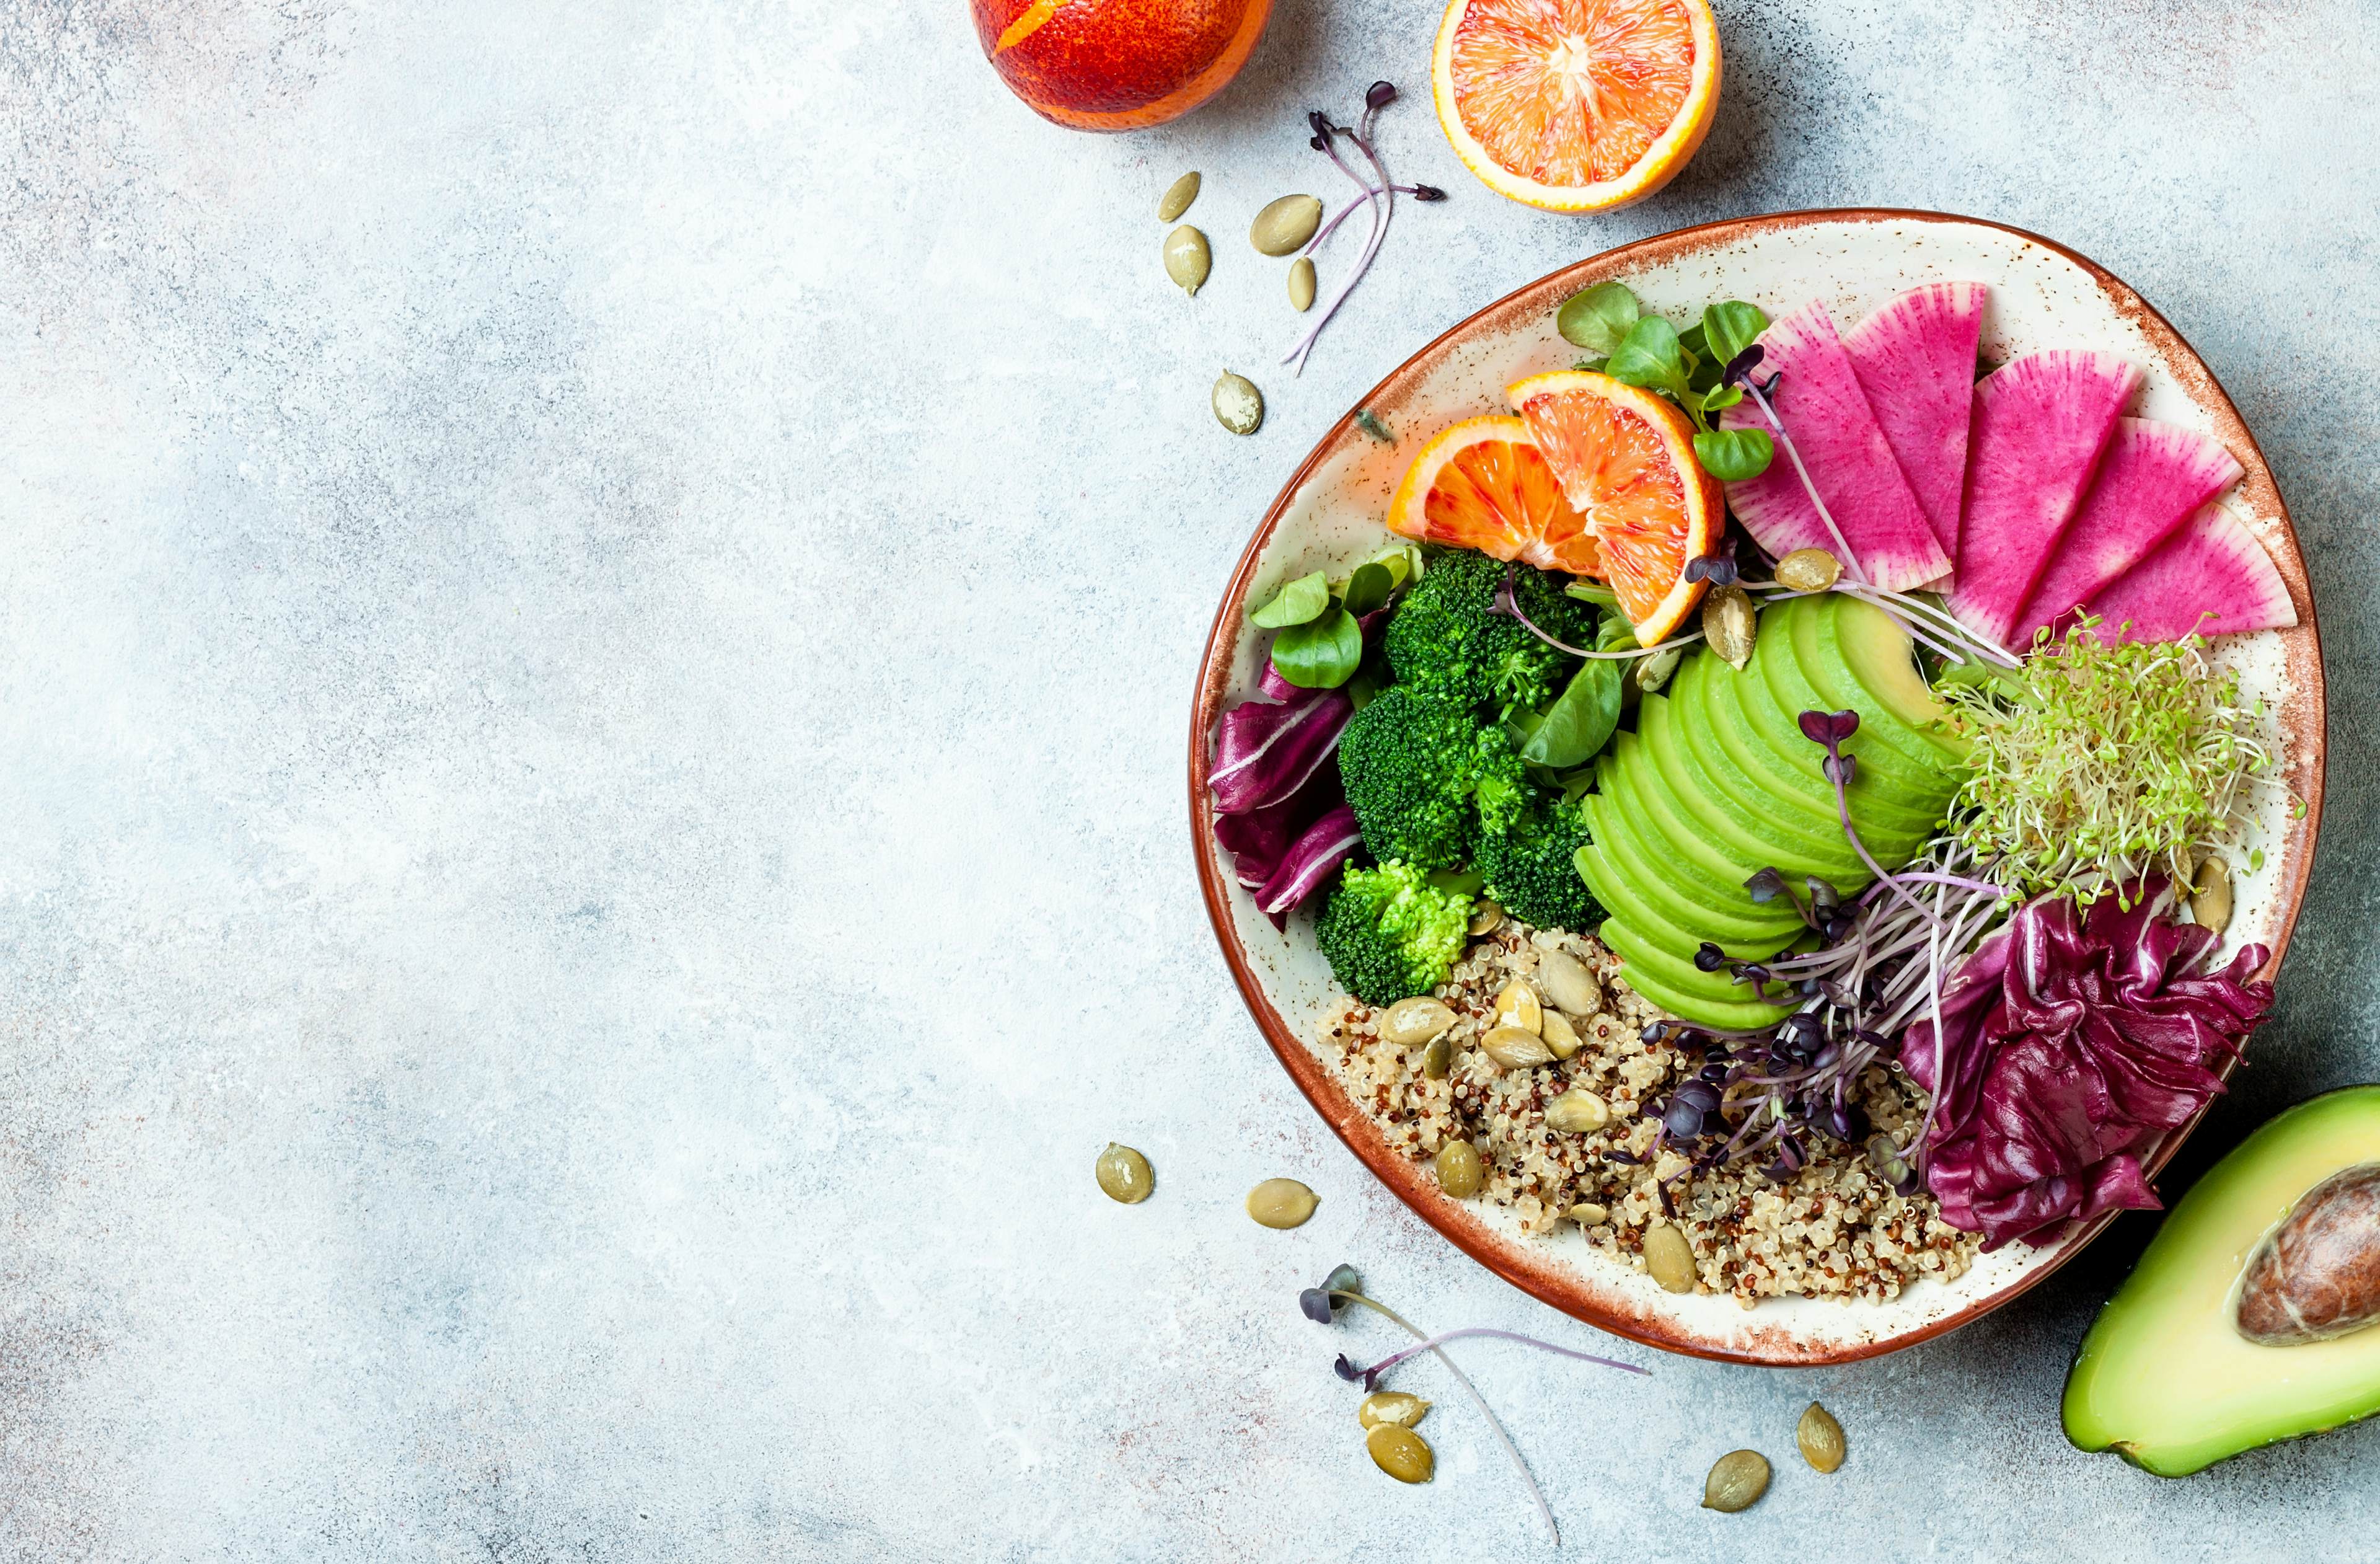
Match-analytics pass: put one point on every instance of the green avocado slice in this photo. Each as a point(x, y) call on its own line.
point(1650, 970)
point(1731, 818)
point(2164, 1379)
point(1701, 869)
point(1670, 899)
point(1780, 664)
point(1733, 709)
point(1847, 676)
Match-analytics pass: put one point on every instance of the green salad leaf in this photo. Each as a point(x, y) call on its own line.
point(1322, 653)
point(1652, 357)
point(1733, 455)
point(1598, 318)
point(1729, 328)
point(1367, 589)
point(1580, 721)
point(1300, 601)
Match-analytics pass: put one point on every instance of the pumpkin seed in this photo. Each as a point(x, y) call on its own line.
point(1437, 1058)
point(1239, 405)
point(1391, 1406)
point(1821, 1439)
point(1281, 1202)
point(2210, 897)
point(1459, 1171)
point(1301, 285)
point(1517, 1005)
point(1568, 984)
point(1410, 1023)
point(1559, 1034)
point(1669, 1258)
point(1283, 226)
point(1400, 1452)
point(1178, 196)
point(1809, 570)
point(1124, 1174)
point(1736, 1482)
point(1486, 919)
point(1578, 1112)
point(1512, 1049)
point(1187, 259)
point(1729, 625)
point(1654, 671)
point(1587, 1214)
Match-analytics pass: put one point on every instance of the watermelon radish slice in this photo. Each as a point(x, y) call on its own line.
point(1915, 358)
point(1821, 406)
point(2152, 480)
point(2210, 578)
point(2037, 429)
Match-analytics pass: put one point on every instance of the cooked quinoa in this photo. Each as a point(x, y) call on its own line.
point(1836, 1231)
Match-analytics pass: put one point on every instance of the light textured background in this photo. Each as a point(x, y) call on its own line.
point(597, 613)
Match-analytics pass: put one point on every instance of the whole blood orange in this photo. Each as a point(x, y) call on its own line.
point(1117, 64)
point(1576, 105)
point(1626, 461)
point(1484, 485)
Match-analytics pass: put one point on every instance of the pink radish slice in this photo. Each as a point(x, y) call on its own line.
point(2037, 429)
point(1819, 402)
point(2150, 480)
point(1915, 359)
point(2210, 578)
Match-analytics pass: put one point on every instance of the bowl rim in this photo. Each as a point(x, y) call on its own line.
point(1495, 1251)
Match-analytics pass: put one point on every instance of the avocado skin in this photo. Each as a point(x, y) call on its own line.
point(2172, 1289)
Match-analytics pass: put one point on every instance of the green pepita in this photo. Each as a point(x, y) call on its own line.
point(1239, 405)
point(1124, 1174)
point(1187, 259)
point(1178, 196)
point(1283, 226)
point(1578, 1112)
point(1410, 1023)
point(2210, 896)
point(1391, 1406)
point(1821, 1439)
point(1513, 1048)
point(1437, 1058)
point(1808, 570)
point(1669, 1258)
point(1282, 1204)
point(1459, 1171)
point(1729, 625)
point(1301, 285)
point(1736, 1482)
point(1400, 1452)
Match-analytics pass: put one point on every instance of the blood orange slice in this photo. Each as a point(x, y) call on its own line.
point(1483, 485)
point(1626, 461)
point(1576, 105)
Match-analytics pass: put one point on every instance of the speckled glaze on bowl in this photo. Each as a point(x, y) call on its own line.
point(2042, 296)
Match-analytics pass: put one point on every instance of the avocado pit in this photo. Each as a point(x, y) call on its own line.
point(2317, 1275)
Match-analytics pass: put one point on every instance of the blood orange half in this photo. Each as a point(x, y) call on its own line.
point(1626, 461)
point(1484, 485)
point(1576, 105)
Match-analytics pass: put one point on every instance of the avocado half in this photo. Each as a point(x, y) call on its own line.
point(2164, 1379)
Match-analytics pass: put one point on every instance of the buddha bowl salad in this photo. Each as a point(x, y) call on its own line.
point(1702, 867)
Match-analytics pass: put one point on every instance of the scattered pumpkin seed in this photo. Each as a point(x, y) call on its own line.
point(1821, 1439)
point(1587, 1214)
point(1400, 1452)
point(1568, 985)
point(1808, 570)
point(1559, 1034)
point(1486, 919)
point(1513, 1048)
point(1578, 1112)
point(1281, 1202)
point(1239, 405)
point(1410, 1023)
point(1391, 1406)
point(1883, 1155)
point(1459, 1171)
point(1187, 259)
point(1301, 285)
point(1729, 625)
point(2210, 896)
point(1671, 1259)
point(1517, 1005)
point(1178, 196)
point(1437, 1058)
point(1736, 1482)
point(1369, 422)
point(1283, 226)
point(1124, 1174)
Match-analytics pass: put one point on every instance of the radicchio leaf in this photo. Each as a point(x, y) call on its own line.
point(2069, 1041)
point(1310, 861)
point(1265, 752)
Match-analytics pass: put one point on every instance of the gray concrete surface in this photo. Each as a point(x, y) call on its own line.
point(597, 608)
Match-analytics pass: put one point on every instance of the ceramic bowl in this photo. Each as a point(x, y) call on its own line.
point(1327, 516)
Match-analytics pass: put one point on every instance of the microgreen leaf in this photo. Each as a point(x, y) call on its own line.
point(1729, 328)
point(1829, 728)
point(1299, 601)
point(1580, 721)
point(1321, 654)
point(1650, 356)
point(1367, 589)
point(1733, 455)
point(1598, 319)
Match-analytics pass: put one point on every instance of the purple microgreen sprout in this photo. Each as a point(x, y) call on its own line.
point(1830, 729)
point(1379, 194)
point(1370, 1377)
point(1354, 1294)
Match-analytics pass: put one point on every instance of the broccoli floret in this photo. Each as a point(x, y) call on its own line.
point(1530, 865)
point(1389, 933)
point(1410, 760)
point(1446, 635)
